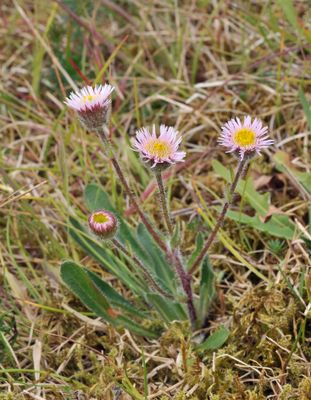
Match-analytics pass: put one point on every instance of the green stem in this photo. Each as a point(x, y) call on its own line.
point(226, 206)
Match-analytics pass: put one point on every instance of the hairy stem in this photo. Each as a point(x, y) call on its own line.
point(226, 206)
point(149, 278)
point(163, 201)
point(185, 279)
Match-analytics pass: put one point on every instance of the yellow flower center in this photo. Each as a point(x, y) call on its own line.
point(100, 218)
point(244, 137)
point(158, 148)
point(88, 98)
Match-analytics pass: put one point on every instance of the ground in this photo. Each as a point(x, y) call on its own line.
point(191, 64)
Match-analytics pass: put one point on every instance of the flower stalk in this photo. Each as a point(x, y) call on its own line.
point(163, 202)
point(239, 173)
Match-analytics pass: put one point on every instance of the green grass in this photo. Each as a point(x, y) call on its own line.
point(189, 64)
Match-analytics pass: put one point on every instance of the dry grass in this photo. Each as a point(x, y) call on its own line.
point(193, 63)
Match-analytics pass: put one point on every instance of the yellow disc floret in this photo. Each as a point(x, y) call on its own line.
point(88, 98)
point(100, 218)
point(158, 148)
point(244, 137)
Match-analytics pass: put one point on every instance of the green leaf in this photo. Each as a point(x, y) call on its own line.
point(155, 261)
point(113, 296)
point(260, 202)
point(199, 242)
point(77, 280)
point(215, 340)
point(231, 245)
point(175, 239)
point(80, 283)
point(207, 288)
point(169, 310)
point(277, 225)
point(284, 164)
point(136, 328)
point(141, 242)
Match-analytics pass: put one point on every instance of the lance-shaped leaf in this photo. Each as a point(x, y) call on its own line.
point(80, 283)
point(114, 297)
point(155, 260)
point(168, 309)
point(82, 286)
point(275, 225)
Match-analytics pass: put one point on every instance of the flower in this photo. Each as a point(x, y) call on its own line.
point(246, 139)
point(103, 223)
point(91, 104)
point(159, 152)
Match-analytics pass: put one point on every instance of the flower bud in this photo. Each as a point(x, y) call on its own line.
point(103, 223)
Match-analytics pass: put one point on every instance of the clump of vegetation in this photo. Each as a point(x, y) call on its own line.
point(157, 272)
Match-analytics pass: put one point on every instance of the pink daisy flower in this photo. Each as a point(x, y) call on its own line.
point(159, 151)
point(103, 223)
point(91, 104)
point(247, 138)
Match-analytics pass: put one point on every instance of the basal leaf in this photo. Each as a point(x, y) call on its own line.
point(136, 327)
point(169, 310)
point(80, 283)
point(76, 278)
point(113, 296)
point(155, 260)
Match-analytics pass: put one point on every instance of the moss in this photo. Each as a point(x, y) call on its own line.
point(305, 389)
point(287, 392)
point(177, 334)
point(180, 396)
point(254, 395)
